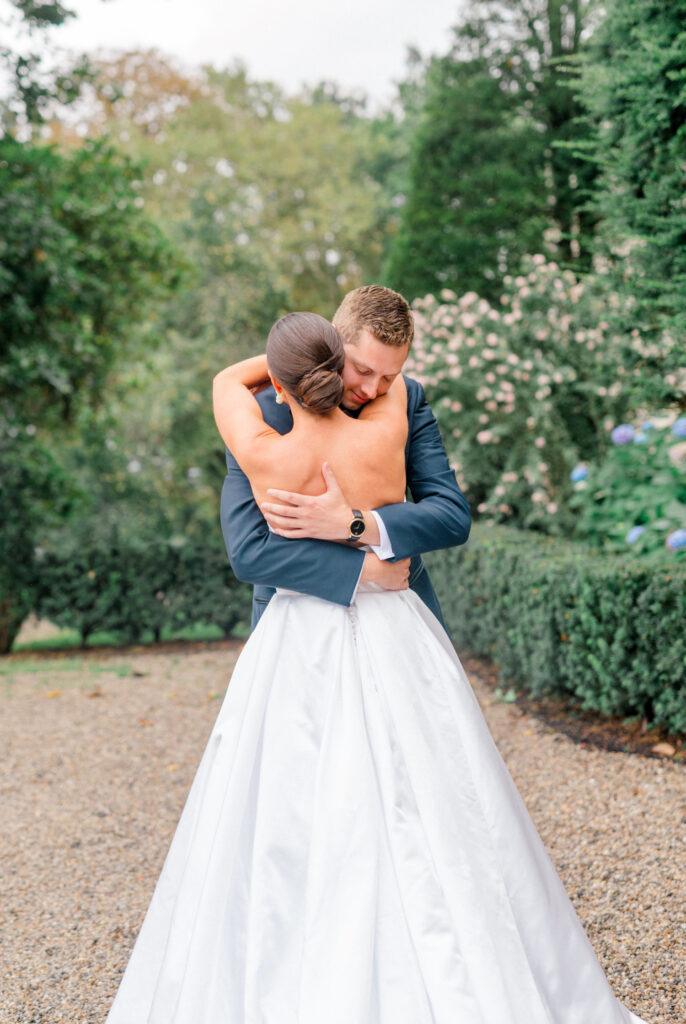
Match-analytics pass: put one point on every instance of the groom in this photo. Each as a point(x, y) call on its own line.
point(310, 547)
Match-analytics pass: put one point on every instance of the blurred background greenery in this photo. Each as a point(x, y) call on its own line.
point(525, 189)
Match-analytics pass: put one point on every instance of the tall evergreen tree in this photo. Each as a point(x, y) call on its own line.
point(634, 86)
point(476, 194)
point(527, 48)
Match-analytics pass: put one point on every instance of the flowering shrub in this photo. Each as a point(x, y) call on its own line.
point(522, 391)
point(636, 496)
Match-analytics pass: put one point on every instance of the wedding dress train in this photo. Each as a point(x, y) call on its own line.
point(353, 849)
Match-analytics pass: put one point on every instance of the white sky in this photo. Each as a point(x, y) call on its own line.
point(359, 43)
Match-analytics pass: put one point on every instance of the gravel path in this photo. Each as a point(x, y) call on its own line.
point(98, 750)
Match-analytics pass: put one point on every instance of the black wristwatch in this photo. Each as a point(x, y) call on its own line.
point(357, 525)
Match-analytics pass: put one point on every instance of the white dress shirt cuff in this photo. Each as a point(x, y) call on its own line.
point(384, 549)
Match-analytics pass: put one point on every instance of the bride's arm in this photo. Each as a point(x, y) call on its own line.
point(236, 411)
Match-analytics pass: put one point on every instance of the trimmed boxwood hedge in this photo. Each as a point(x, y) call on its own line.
point(114, 583)
point(559, 618)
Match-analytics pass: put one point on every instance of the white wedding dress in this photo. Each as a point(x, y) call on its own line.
point(353, 849)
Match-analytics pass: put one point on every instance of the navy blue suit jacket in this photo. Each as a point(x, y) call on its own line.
point(437, 517)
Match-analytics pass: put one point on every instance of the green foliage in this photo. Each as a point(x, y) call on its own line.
point(78, 261)
point(605, 631)
point(522, 390)
point(476, 196)
point(32, 488)
point(492, 173)
point(633, 86)
point(637, 494)
point(289, 181)
point(30, 90)
point(130, 585)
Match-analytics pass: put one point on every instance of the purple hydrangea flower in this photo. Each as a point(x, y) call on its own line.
point(634, 533)
point(623, 434)
point(578, 473)
point(679, 428)
point(676, 540)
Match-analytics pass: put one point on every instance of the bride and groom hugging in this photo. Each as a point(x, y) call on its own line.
point(376, 326)
point(353, 849)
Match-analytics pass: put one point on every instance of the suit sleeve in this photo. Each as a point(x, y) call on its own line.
point(439, 515)
point(316, 567)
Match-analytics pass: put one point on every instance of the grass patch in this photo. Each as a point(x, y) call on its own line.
point(67, 639)
point(16, 668)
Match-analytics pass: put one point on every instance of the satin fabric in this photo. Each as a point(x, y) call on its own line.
point(353, 849)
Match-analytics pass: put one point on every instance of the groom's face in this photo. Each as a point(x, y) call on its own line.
point(370, 369)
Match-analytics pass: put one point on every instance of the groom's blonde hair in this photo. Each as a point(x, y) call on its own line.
point(381, 311)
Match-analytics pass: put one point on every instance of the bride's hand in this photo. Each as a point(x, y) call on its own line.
point(389, 575)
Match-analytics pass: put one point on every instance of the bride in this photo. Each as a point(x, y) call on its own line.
point(353, 849)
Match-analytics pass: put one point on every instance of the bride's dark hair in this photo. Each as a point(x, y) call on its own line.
point(305, 354)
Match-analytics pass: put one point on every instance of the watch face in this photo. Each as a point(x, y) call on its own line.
point(357, 527)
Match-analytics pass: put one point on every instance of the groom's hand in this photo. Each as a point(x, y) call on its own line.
point(324, 516)
point(389, 575)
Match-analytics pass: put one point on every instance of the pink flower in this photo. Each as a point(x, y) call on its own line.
point(474, 361)
point(484, 437)
point(551, 507)
point(540, 442)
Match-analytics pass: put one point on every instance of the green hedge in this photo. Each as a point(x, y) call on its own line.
point(607, 631)
point(119, 584)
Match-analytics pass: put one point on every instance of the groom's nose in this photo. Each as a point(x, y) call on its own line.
point(370, 388)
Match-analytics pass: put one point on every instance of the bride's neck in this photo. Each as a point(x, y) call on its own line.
point(306, 421)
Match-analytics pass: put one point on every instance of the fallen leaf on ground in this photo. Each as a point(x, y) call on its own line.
point(53, 693)
point(664, 749)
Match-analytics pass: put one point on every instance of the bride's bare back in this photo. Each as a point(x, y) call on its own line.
point(366, 454)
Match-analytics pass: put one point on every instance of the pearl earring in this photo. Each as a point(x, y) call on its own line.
point(279, 398)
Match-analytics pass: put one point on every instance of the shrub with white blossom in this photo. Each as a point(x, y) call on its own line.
point(525, 390)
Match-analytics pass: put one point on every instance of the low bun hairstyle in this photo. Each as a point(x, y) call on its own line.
point(305, 354)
